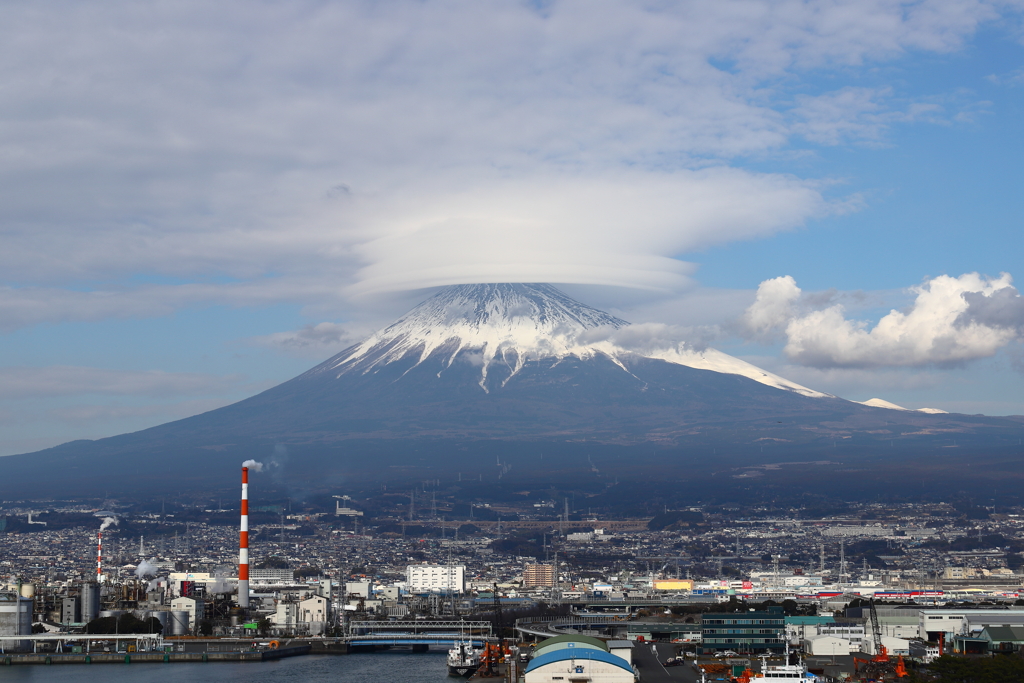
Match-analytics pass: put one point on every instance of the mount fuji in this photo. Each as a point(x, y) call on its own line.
point(511, 368)
point(503, 327)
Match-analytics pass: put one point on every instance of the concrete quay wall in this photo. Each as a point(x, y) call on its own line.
point(151, 657)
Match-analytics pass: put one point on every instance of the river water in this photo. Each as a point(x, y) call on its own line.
point(383, 667)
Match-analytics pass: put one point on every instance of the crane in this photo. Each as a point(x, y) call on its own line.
point(880, 666)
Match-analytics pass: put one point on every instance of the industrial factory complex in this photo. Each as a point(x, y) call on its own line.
point(910, 581)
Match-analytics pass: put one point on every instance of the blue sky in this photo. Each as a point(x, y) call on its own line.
point(198, 202)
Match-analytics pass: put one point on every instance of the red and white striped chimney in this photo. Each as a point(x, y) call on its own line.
point(243, 545)
point(99, 557)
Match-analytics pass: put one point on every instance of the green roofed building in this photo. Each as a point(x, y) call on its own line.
point(559, 642)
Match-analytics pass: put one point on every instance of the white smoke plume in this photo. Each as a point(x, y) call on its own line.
point(253, 465)
point(146, 568)
point(155, 584)
point(219, 585)
point(107, 521)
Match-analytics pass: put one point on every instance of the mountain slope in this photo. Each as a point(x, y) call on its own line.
point(519, 368)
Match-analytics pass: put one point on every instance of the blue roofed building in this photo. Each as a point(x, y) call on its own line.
point(568, 658)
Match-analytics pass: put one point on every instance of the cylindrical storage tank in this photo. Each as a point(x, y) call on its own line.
point(90, 601)
point(160, 616)
point(28, 590)
point(177, 622)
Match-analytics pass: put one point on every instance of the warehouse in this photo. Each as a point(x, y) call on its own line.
point(567, 658)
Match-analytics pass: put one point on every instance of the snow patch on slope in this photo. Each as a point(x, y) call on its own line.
point(881, 403)
point(514, 324)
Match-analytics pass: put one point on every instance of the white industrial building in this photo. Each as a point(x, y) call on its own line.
point(422, 578)
point(307, 616)
point(895, 622)
point(894, 646)
point(196, 610)
point(851, 632)
point(829, 646)
point(962, 622)
point(271, 577)
point(313, 615)
point(15, 617)
point(857, 531)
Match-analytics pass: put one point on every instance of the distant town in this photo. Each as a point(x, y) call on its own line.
point(918, 580)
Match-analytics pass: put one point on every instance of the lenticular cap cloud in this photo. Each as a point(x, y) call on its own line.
point(624, 228)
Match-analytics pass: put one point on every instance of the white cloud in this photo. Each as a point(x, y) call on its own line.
point(772, 307)
point(25, 382)
point(621, 229)
point(40, 421)
point(1015, 77)
point(952, 320)
point(856, 114)
point(649, 338)
point(115, 413)
point(26, 306)
point(315, 340)
point(252, 154)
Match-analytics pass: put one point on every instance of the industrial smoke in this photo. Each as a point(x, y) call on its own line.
point(146, 568)
point(219, 584)
point(253, 465)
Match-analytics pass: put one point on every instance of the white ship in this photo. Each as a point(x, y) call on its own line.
point(463, 660)
point(778, 673)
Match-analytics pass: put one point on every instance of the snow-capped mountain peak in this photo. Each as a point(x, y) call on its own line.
point(514, 324)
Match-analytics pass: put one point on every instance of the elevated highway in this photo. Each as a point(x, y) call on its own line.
point(417, 634)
